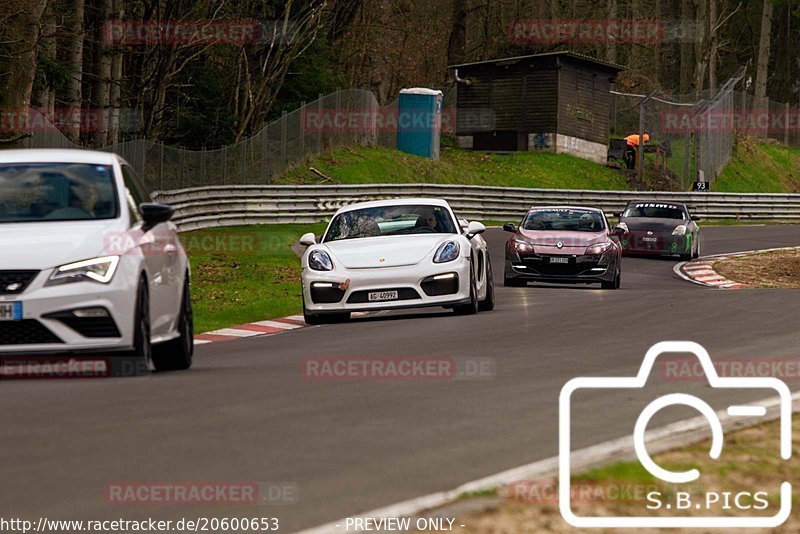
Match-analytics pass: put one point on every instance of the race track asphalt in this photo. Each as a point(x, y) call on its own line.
point(246, 413)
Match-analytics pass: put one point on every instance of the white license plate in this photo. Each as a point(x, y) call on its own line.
point(559, 260)
point(10, 311)
point(649, 239)
point(376, 296)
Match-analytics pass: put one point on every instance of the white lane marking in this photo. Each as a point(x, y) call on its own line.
point(711, 279)
point(694, 429)
point(276, 324)
point(700, 272)
point(201, 341)
point(234, 332)
point(296, 318)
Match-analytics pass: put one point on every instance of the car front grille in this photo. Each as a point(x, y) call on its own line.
point(26, 332)
point(540, 264)
point(87, 326)
point(14, 282)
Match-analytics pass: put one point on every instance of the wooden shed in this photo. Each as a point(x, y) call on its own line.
point(557, 101)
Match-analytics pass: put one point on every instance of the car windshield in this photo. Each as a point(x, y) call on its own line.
point(41, 192)
point(564, 219)
point(657, 211)
point(400, 219)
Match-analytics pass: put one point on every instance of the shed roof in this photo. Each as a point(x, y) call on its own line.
point(573, 55)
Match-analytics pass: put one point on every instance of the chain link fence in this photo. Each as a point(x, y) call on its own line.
point(689, 137)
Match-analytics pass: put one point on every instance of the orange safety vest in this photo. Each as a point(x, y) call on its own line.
point(633, 139)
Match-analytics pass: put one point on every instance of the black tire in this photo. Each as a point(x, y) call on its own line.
point(615, 283)
point(487, 304)
point(324, 318)
point(142, 347)
point(472, 307)
point(176, 354)
point(696, 247)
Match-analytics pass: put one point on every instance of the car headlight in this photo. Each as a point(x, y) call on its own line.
point(598, 249)
point(522, 246)
point(446, 252)
point(679, 230)
point(96, 270)
point(319, 260)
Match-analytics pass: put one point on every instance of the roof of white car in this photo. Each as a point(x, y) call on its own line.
point(395, 202)
point(36, 155)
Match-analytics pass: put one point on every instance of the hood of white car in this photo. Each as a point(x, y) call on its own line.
point(43, 245)
point(386, 251)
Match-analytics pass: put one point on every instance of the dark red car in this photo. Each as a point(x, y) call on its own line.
point(562, 244)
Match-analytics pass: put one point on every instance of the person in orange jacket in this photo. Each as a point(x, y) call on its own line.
point(631, 144)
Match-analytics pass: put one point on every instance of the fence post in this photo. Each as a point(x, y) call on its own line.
point(320, 111)
point(264, 146)
point(786, 124)
point(224, 164)
point(161, 166)
point(302, 129)
point(283, 137)
point(687, 154)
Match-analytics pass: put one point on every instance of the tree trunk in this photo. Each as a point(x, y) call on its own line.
point(103, 72)
point(116, 80)
point(458, 33)
point(687, 56)
point(761, 102)
point(19, 31)
point(75, 65)
point(712, 46)
point(611, 47)
point(43, 91)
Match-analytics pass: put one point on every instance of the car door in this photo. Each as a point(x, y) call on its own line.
point(158, 254)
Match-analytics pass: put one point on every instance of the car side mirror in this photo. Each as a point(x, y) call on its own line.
point(695, 218)
point(308, 239)
point(154, 214)
point(508, 227)
point(474, 229)
point(620, 230)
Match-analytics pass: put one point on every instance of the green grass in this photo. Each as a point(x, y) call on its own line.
point(363, 165)
point(244, 274)
point(758, 167)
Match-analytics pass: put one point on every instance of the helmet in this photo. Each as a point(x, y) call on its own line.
point(587, 220)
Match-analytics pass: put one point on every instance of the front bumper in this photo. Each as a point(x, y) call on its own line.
point(579, 268)
point(656, 243)
point(48, 326)
point(330, 292)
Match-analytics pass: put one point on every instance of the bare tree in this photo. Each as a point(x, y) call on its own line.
point(74, 47)
point(20, 21)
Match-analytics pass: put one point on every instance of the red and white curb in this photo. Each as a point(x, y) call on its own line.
point(256, 329)
point(701, 271)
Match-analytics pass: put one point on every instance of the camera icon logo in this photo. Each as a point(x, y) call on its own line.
point(770, 387)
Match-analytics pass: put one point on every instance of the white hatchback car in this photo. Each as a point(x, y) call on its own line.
point(390, 254)
point(88, 264)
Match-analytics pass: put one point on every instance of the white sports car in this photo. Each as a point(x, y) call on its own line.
point(89, 266)
point(390, 254)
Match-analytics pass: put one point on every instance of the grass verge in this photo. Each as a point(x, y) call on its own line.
point(749, 463)
point(775, 269)
point(244, 274)
point(760, 167)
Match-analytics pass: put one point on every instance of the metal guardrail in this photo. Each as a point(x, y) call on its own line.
point(205, 207)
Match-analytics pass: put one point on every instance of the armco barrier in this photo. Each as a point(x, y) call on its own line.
point(205, 207)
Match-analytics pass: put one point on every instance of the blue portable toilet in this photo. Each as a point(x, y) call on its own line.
point(419, 121)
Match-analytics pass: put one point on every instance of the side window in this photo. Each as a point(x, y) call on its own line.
point(134, 193)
